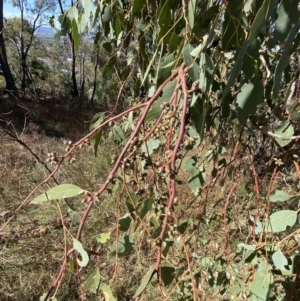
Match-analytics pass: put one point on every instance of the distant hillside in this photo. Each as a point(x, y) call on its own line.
point(45, 31)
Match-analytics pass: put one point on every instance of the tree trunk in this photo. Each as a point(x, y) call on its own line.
point(10, 84)
point(74, 81)
point(95, 76)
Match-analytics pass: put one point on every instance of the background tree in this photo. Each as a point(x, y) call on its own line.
point(66, 31)
point(10, 84)
point(23, 37)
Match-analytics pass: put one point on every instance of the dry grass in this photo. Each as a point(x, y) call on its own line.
point(32, 245)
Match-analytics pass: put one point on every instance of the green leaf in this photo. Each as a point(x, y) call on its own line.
point(261, 286)
point(155, 110)
point(132, 202)
point(280, 196)
point(75, 217)
point(284, 60)
point(233, 33)
point(150, 146)
point(42, 298)
point(72, 265)
point(174, 41)
point(197, 177)
point(285, 130)
point(207, 262)
point(96, 141)
point(104, 237)
point(97, 120)
point(106, 16)
point(124, 222)
point(167, 273)
point(118, 134)
point(97, 12)
point(164, 69)
point(123, 247)
point(75, 35)
point(62, 191)
point(108, 296)
point(91, 284)
point(248, 99)
point(260, 20)
point(85, 20)
point(282, 219)
point(164, 17)
point(146, 207)
point(198, 114)
point(288, 16)
point(251, 59)
point(279, 260)
point(84, 255)
point(145, 282)
point(190, 62)
point(258, 225)
point(294, 111)
point(137, 6)
point(191, 13)
point(234, 71)
point(249, 251)
point(73, 14)
point(293, 265)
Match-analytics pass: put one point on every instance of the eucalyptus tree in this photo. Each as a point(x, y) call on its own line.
point(10, 84)
point(32, 16)
point(63, 8)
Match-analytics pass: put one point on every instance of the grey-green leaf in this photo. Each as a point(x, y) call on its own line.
point(144, 282)
point(168, 90)
point(124, 222)
point(96, 141)
point(84, 255)
point(42, 298)
point(279, 260)
point(123, 247)
point(282, 219)
point(108, 296)
point(150, 146)
point(62, 191)
point(97, 120)
point(91, 284)
point(280, 196)
point(285, 130)
point(261, 286)
point(248, 99)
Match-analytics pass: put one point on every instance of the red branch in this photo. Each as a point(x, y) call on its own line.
point(118, 162)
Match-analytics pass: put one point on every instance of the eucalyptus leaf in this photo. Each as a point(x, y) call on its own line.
point(279, 260)
point(285, 130)
point(84, 255)
point(96, 141)
point(261, 286)
point(91, 284)
point(280, 196)
point(62, 191)
point(282, 219)
point(144, 282)
point(123, 247)
point(108, 296)
point(104, 237)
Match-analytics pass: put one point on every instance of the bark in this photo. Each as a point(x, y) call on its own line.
point(95, 76)
point(74, 81)
point(73, 68)
point(10, 84)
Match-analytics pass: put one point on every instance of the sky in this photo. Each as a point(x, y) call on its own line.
point(9, 11)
